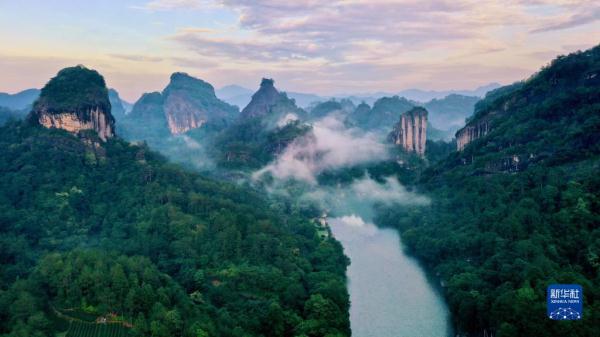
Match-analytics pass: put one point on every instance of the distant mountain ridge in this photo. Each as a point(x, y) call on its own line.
point(19, 101)
point(385, 112)
point(23, 101)
point(241, 96)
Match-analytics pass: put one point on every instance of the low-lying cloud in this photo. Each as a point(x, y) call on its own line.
point(360, 197)
point(390, 192)
point(328, 146)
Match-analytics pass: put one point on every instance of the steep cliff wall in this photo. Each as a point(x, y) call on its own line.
point(411, 131)
point(186, 103)
point(190, 103)
point(496, 103)
point(98, 120)
point(182, 115)
point(471, 132)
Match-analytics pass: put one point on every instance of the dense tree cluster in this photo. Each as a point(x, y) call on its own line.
point(250, 143)
point(117, 229)
point(75, 89)
point(518, 209)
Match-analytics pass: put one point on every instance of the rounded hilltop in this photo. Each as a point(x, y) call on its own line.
point(76, 99)
point(76, 90)
point(183, 81)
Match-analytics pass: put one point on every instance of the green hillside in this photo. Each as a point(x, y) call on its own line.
point(518, 209)
point(117, 229)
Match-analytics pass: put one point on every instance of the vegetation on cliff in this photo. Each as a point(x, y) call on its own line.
point(265, 127)
point(125, 234)
point(76, 90)
point(518, 209)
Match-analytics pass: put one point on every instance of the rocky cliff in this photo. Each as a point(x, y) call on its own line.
point(550, 117)
point(75, 100)
point(471, 132)
point(190, 103)
point(186, 103)
point(411, 131)
point(496, 103)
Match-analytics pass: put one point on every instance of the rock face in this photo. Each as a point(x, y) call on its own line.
point(186, 103)
point(471, 132)
point(189, 103)
point(73, 123)
point(496, 103)
point(76, 100)
point(411, 131)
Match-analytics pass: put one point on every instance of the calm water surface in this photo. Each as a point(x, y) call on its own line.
point(390, 293)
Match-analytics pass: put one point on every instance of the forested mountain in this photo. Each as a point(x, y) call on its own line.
point(270, 104)
point(146, 121)
point(341, 107)
point(383, 115)
point(186, 103)
point(76, 100)
point(23, 102)
point(240, 96)
point(264, 128)
point(518, 208)
point(111, 232)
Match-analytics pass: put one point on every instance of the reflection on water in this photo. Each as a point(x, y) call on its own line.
point(390, 293)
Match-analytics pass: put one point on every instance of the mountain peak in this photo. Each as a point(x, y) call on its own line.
point(184, 81)
point(74, 89)
point(76, 99)
point(268, 101)
point(267, 83)
point(186, 103)
point(262, 100)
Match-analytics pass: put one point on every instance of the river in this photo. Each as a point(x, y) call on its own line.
point(390, 293)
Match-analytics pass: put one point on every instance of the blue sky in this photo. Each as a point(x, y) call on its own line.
point(324, 47)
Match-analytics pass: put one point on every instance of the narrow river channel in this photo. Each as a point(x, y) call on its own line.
point(389, 291)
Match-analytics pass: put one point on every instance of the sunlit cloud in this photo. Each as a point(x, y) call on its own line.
point(325, 47)
point(584, 16)
point(165, 5)
point(137, 58)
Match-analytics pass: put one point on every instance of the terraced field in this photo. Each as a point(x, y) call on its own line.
point(81, 329)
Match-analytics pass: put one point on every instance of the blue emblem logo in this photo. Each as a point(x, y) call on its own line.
point(565, 301)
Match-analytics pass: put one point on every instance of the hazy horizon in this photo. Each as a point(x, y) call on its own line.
point(308, 46)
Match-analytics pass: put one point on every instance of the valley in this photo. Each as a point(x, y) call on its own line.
point(188, 216)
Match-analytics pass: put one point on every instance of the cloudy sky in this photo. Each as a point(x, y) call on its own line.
point(325, 47)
